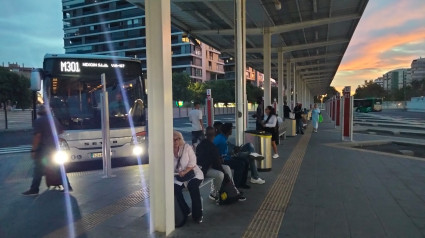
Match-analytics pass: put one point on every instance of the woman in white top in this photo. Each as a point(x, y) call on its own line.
point(269, 124)
point(184, 162)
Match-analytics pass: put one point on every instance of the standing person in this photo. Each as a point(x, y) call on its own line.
point(184, 165)
point(286, 110)
point(208, 157)
point(269, 124)
point(259, 114)
point(315, 117)
point(299, 119)
point(195, 117)
point(43, 146)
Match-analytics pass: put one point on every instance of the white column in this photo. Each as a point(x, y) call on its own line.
point(294, 73)
point(288, 83)
point(267, 66)
point(280, 85)
point(160, 116)
point(240, 82)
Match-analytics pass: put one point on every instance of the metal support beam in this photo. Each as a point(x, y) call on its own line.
point(294, 47)
point(240, 86)
point(160, 116)
point(283, 28)
point(288, 83)
point(267, 66)
point(280, 84)
point(300, 59)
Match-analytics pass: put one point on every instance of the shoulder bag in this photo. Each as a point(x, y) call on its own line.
point(189, 175)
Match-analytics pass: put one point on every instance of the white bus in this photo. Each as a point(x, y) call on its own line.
point(72, 86)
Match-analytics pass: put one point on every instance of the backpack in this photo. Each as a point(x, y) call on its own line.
point(228, 193)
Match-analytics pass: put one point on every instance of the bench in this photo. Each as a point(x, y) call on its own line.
point(282, 131)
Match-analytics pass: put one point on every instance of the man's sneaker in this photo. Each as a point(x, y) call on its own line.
point(30, 193)
point(256, 156)
point(275, 156)
point(241, 198)
point(212, 197)
point(257, 181)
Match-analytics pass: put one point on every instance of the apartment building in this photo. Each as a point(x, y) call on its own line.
point(115, 27)
point(396, 79)
point(418, 69)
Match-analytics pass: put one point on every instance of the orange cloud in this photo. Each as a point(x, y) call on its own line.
point(370, 53)
point(391, 15)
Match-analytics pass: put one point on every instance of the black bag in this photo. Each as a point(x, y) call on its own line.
point(179, 216)
point(228, 192)
point(188, 176)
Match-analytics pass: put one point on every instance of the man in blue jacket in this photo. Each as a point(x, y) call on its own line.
point(239, 162)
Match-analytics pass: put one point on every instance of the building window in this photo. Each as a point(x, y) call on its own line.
point(185, 39)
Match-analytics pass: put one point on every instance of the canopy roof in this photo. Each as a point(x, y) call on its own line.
point(312, 33)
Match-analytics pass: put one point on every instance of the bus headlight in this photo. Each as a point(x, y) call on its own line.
point(137, 150)
point(60, 157)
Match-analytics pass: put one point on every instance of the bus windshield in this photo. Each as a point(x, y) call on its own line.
point(76, 99)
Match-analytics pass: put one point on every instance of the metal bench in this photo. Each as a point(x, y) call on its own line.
point(282, 131)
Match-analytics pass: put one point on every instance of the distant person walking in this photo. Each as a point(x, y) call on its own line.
point(43, 146)
point(195, 117)
point(315, 117)
point(298, 117)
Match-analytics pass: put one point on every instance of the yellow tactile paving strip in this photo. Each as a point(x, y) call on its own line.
point(268, 219)
point(90, 221)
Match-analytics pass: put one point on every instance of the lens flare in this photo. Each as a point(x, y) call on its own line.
point(60, 157)
point(137, 150)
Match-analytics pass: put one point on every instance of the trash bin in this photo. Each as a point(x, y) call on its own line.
point(262, 142)
point(290, 125)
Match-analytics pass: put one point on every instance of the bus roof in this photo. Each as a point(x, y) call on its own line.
point(88, 56)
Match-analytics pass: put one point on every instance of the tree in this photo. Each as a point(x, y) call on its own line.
point(198, 91)
point(253, 92)
point(222, 90)
point(370, 89)
point(14, 88)
point(181, 84)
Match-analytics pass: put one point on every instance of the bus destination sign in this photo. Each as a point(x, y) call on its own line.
point(75, 66)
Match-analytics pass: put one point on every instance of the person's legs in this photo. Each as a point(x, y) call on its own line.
point(180, 199)
point(37, 175)
point(247, 149)
point(195, 195)
point(218, 180)
point(228, 171)
point(274, 147)
point(239, 169)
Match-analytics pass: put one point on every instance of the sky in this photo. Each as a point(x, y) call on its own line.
point(390, 34)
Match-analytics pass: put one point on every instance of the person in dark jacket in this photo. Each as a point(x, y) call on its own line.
point(44, 143)
point(211, 163)
point(259, 114)
point(286, 110)
point(299, 119)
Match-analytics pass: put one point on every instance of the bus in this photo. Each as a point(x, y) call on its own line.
point(71, 85)
point(368, 105)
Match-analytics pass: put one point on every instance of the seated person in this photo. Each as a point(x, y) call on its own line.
point(185, 161)
point(211, 163)
point(117, 107)
point(240, 161)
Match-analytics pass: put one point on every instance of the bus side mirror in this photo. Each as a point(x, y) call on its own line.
point(35, 79)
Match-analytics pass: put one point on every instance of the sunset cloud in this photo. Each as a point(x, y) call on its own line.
point(389, 36)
